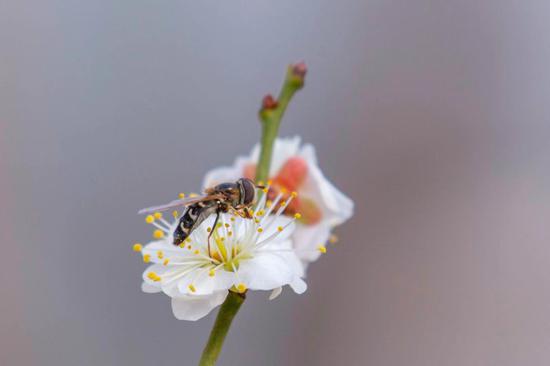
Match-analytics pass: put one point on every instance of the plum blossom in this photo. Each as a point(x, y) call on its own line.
point(294, 168)
point(243, 254)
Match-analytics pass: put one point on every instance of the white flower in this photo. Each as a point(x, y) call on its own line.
point(243, 254)
point(294, 168)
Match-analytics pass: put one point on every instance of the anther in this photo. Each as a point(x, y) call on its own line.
point(166, 261)
point(192, 288)
point(208, 229)
point(157, 215)
point(294, 194)
point(297, 216)
point(226, 225)
point(175, 214)
point(211, 273)
point(241, 287)
point(322, 249)
point(181, 196)
point(232, 219)
point(153, 276)
point(196, 251)
point(146, 258)
point(280, 228)
point(137, 247)
point(149, 219)
point(192, 195)
point(260, 230)
point(158, 234)
point(160, 254)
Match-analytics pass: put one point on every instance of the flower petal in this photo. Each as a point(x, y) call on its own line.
point(149, 288)
point(298, 285)
point(275, 293)
point(195, 307)
point(267, 271)
point(308, 238)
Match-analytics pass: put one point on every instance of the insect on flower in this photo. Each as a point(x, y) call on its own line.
point(222, 198)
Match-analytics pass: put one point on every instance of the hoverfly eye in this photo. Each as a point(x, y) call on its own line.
point(249, 191)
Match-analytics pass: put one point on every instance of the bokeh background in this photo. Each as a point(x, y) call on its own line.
point(432, 115)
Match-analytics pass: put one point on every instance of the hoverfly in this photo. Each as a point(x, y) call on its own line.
point(224, 197)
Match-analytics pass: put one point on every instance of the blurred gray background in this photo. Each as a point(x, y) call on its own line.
point(432, 115)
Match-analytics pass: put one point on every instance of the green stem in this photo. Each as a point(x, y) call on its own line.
point(271, 116)
point(227, 312)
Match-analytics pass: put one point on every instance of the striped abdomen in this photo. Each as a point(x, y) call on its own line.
point(193, 216)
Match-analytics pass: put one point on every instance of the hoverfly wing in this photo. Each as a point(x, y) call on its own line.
point(178, 203)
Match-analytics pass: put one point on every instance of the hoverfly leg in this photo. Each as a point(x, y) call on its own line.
point(212, 231)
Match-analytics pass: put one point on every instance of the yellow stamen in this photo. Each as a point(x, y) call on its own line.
point(160, 254)
point(146, 258)
point(196, 251)
point(153, 276)
point(257, 221)
point(211, 273)
point(283, 203)
point(182, 245)
point(158, 234)
point(260, 213)
point(241, 287)
point(322, 249)
point(189, 247)
point(208, 229)
point(137, 247)
point(166, 261)
point(280, 228)
point(294, 194)
point(297, 216)
point(232, 219)
point(215, 255)
point(193, 195)
point(175, 214)
point(181, 196)
point(192, 288)
point(226, 225)
point(157, 215)
point(269, 182)
point(229, 233)
point(260, 230)
point(269, 203)
point(149, 219)
point(265, 190)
